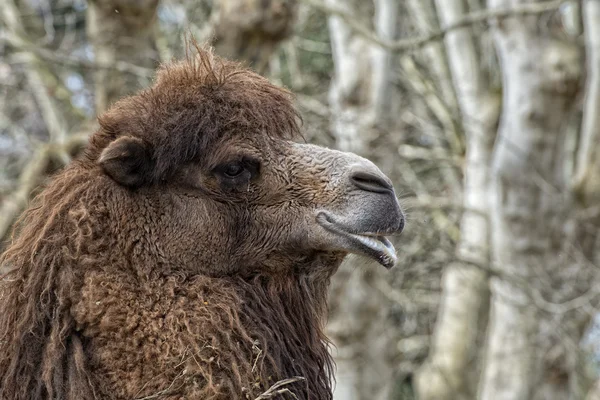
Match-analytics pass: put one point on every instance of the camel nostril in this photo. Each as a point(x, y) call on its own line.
point(371, 182)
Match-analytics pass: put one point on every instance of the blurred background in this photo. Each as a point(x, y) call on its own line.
point(486, 115)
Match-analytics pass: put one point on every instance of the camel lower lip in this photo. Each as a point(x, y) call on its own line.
point(386, 253)
point(374, 246)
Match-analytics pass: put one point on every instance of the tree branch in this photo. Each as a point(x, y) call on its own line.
point(54, 119)
point(14, 203)
point(467, 20)
point(76, 62)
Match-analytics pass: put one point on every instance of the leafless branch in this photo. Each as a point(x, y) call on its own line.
point(14, 204)
point(34, 71)
point(433, 154)
point(468, 20)
point(428, 203)
point(65, 59)
point(30, 178)
point(535, 294)
point(55, 122)
point(442, 112)
point(440, 219)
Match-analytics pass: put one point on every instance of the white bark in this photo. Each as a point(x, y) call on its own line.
point(587, 172)
point(360, 97)
point(386, 19)
point(464, 287)
point(360, 91)
point(438, 92)
point(588, 162)
point(364, 345)
point(529, 197)
point(425, 16)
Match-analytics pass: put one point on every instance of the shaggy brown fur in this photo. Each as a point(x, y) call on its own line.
point(153, 268)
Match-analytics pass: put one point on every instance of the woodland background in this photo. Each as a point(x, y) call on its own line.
point(486, 115)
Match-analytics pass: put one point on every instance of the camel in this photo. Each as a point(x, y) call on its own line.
point(186, 254)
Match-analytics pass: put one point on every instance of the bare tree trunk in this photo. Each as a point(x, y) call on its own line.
point(360, 92)
point(530, 200)
point(587, 171)
point(445, 375)
point(425, 15)
point(251, 30)
point(121, 31)
point(360, 98)
point(587, 177)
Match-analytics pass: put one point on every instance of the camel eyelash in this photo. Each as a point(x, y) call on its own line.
point(243, 169)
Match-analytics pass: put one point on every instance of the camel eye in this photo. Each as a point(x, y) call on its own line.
point(238, 171)
point(233, 170)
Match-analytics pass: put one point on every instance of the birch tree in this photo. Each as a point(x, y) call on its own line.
point(121, 32)
point(586, 185)
point(360, 97)
point(587, 173)
point(464, 286)
point(530, 198)
point(426, 20)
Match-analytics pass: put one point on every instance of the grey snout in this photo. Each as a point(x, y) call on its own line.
point(380, 193)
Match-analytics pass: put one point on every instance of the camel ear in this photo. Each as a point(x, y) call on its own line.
point(128, 161)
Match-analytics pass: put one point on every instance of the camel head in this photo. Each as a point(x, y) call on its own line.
point(210, 151)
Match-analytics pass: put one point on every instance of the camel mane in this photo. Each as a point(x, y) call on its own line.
point(35, 355)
